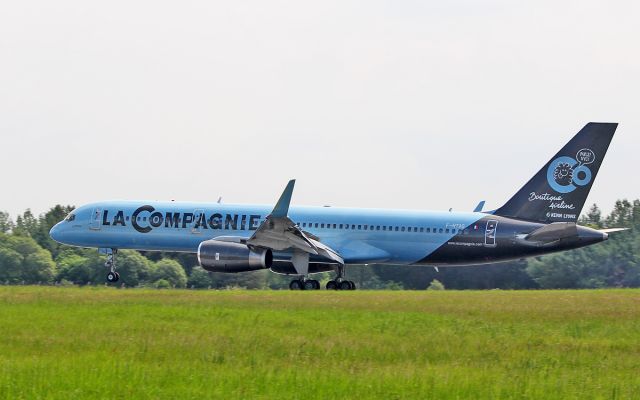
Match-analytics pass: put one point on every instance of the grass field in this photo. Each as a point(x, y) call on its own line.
point(64, 343)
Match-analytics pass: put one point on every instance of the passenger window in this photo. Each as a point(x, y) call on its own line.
point(316, 224)
point(378, 227)
point(359, 227)
point(402, 229)
point(321, 225)
point(353, 227)
point(440, 230)
point(396, 229)
point(340, 226)
point(334, 226)
point(384, 228)
point(421, 229)
point(447, 230)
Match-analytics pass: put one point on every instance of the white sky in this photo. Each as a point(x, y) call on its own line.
point(392, 104)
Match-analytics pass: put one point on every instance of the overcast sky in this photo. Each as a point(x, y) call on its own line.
point(391, 104)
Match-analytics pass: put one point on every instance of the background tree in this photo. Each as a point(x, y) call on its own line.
point(6, 224)
point(593, 218)
point(199, 279)
point(133, 267)
point(171, 271)
point(10, 263)
point(435, 285)
point(23, 260)
point(75, 268)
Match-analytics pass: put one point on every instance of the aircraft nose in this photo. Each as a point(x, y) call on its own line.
point(55, 232)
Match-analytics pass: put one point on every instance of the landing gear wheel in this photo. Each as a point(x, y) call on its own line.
point(345, 285)
point(112, 277)
point(316, 284)
point(309, 285)
point(296, 285)
point(332, 285)
point(353, 285)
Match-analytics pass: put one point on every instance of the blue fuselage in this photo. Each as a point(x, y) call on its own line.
point(360, 236)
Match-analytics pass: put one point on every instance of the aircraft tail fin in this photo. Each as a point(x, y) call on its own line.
point(559, 190)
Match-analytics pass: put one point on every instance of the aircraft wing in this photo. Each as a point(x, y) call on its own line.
point(278, 232)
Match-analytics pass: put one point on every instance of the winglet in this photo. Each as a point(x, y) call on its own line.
point(479, 207)
point(282, 206)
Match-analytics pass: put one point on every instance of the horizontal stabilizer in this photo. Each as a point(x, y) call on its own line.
point(553, 232)
point(612, 230)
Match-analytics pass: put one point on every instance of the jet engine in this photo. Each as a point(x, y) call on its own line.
point(223, 256)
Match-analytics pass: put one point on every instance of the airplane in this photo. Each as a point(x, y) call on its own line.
point(540, 218)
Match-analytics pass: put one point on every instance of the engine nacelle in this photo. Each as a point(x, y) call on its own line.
point(222, 256)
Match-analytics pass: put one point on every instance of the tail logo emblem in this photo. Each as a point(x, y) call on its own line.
point(565, 174)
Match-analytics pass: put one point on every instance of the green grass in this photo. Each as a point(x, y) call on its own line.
point(63, 343)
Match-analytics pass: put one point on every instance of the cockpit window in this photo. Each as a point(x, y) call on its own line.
point(70, 217)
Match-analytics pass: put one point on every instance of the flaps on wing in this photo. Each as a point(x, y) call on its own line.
point(327, 251)
point(278, 232)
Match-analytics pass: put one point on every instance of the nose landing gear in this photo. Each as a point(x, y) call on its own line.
point(112, 276)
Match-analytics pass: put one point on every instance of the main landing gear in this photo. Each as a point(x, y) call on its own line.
point(311, 284)
point(304, 284)
point(340, 283)
point(112, 276)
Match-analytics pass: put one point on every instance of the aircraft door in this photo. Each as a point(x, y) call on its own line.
point(490, 233)
point(196, 228)
point(96, 218)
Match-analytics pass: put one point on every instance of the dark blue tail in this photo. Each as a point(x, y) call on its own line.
point(558, 191)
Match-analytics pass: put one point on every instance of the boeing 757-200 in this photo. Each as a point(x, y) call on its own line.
point(540, 218)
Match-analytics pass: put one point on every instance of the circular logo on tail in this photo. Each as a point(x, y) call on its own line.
point(565, 174)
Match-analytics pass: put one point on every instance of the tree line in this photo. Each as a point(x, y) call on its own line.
point(29, 256)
